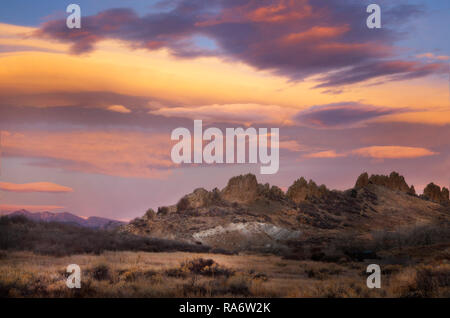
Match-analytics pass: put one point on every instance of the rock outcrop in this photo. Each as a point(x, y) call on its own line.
point(149, 215)
point(241, 189)
point(273, 193)
point(302, 190)
point(164, 210)
point(362, 181)
point(445, 195)
point(200, 198)
point(434, 193)
point(394, 182)
point(249, 216)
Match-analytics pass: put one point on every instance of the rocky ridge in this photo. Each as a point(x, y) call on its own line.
point(246, 215)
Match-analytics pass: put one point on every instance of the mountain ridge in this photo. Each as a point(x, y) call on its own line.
point(248, 215)
point(93, 222)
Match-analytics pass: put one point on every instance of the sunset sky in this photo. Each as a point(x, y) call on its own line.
point(86, 115)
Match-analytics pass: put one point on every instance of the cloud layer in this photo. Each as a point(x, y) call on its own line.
point(233, 113)
point(296, 39)
point(34, 187)
point(393, 152)
point(377, 152)
point(342, 115)
point(125, 154)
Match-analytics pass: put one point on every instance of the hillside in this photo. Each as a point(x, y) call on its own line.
point(246, 215)
point(19, 233)
point(93, 222)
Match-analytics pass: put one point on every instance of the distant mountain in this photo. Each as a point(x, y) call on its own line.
point(93, 222)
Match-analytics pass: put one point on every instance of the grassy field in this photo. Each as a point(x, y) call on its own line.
point(180, 274)
point(415, 262)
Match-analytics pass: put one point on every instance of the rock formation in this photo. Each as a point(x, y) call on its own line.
point(241, 189)
point(433, 192)
point(394, 182)
point(302, 190)
point(273, 193)
point(445, 195)
point(246, 215)
point(149, 215)
point(362, 181)
point(200, 198)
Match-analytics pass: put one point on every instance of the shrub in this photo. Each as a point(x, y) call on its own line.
point(100, 272)
point(206, 267)
point(427, 281)
point(199, 266)
point(239, 286)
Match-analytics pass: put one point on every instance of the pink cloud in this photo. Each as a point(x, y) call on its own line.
point(246, 114)
point(119, 109)
point(8, 208)
point(377, 152)
point(291, 145)
point(393, 152)
point(325, 154)
point(432, 56)
point(34, 187)
point(125, 154)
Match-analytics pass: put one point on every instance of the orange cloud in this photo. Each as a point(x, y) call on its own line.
point(125, 154)
point(279, 13)
point(316, 33)
point(439, 117)
point(119, 109)
point(34, 187)
point(233, 113)
point(393, 152)
point(40, 77)
point(325, 154)
point(291, 145)
point(431, 56)
point(377, 152)
point(8, 208)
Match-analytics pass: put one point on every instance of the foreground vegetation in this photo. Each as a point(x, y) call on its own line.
point(415, 262)
point(141, 274)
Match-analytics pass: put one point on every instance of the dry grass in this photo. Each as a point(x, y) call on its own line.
point(34, 257)
point(142, 274)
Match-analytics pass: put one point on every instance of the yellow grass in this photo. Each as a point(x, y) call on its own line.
point(141, 274)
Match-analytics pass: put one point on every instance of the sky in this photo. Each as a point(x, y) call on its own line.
point(86, 115)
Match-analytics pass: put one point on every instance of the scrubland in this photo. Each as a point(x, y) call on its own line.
point(415, 263)
point(181, 274)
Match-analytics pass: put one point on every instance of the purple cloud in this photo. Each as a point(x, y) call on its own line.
point(390, 70)
point(342, 115)
point(295, 39)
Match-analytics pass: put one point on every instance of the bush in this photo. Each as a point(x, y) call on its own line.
point(100, 272)
point(206, 267)
point(199, 266)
